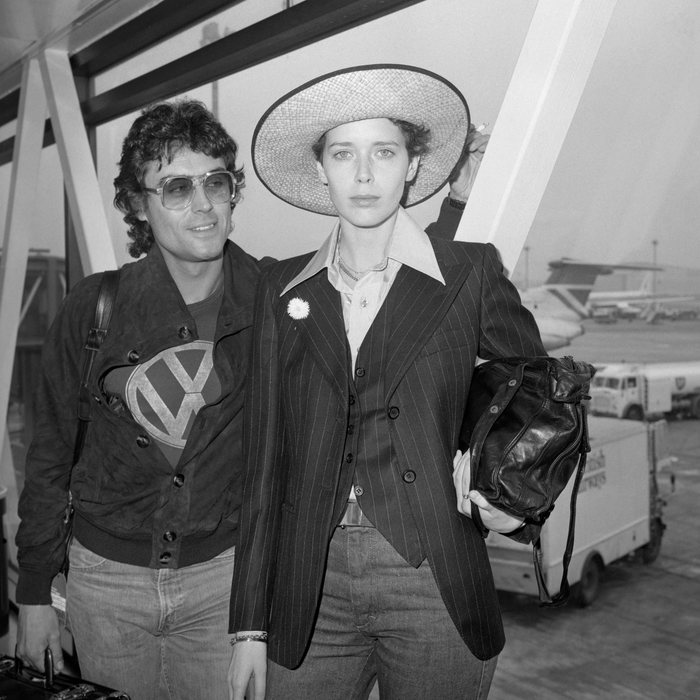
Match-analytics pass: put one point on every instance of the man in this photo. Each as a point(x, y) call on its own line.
point(157, 488)
point(354, 562)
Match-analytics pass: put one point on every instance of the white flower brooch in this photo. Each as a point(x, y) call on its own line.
point(298, 308)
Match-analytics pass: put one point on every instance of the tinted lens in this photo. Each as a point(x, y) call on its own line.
point(177, 192)
point(219, 187)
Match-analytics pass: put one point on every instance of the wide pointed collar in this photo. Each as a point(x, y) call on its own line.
point(408, 245)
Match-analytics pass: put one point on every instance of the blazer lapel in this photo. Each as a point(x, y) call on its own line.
point(323, 329)
point(415, 306)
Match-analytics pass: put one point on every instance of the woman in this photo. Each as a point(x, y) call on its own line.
point(354, 563)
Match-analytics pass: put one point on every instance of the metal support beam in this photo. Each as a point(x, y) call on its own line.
point(109, 47)
point(82, 188)
point(150, 27)
point(274, 36)
point(13, 264)
point(549, 78)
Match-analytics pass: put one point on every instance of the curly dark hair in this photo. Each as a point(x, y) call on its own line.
point(157, 135)
point(417, 139)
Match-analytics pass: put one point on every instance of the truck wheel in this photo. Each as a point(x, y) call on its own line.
point(586, 590)
point(650, 551)
point(635, 413)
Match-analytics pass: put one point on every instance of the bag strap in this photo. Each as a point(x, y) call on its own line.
point(547, 601)
point(96, 335)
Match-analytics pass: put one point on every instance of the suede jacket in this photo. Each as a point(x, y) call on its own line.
point(130, 504)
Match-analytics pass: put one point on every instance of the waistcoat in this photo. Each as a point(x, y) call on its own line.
point(380, 482)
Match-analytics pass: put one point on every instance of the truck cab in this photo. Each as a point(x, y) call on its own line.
point(617, 394)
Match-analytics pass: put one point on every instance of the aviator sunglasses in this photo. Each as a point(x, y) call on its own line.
point(177, 192)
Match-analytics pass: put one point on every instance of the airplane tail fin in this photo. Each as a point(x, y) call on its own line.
point(571, 282)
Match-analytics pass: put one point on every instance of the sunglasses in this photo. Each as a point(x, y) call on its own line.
point(177, 192)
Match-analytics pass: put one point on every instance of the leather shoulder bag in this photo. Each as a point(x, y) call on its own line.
point(525, 424)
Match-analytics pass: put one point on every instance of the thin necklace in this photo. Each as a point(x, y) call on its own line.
point(352, 274)
point(356, 275)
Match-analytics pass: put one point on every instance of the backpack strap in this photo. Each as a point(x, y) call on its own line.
point(96, 335)
point(103, 312)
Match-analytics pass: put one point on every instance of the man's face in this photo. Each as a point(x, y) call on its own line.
point(366, 165)
point(196, 233)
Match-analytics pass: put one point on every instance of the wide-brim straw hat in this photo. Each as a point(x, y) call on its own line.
point(282, 143)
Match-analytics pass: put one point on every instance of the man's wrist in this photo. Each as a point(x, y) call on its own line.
point(456, 203)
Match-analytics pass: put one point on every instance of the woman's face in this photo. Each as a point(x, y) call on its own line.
point(366, 166)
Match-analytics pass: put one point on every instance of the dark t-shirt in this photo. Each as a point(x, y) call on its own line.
point(165, 393)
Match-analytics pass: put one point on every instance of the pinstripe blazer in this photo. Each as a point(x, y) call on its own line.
point(295, 432)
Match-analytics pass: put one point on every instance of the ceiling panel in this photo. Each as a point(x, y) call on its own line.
point(26, 25)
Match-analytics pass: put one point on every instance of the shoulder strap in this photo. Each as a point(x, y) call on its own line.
point(103, 312)
point(547, 601)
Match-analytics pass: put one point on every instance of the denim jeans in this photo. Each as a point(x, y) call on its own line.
point(153, 633)
point(381, 618)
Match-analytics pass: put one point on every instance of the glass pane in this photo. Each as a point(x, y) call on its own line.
point(44, 289)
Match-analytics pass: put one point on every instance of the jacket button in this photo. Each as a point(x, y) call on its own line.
point(349, 457)
point(165, 557)
point(133, 356)
point(351, 399)
point(409, 476)
point(143, 441)
point(360, 371)
point(169, 536)
point(394, 412)
point(359, 490)
point(184, 332)
point(179, 480)
point(493, 409)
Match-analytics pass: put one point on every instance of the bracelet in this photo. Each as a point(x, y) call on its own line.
point(256, 637)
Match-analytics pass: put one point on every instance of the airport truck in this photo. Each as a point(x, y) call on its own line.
point(639, 391)
point(618, 514)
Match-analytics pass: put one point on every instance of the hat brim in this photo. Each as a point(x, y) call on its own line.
point(282, 144)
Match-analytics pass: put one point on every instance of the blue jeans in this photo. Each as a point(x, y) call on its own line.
point(381, 618)
point(153, 633)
